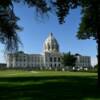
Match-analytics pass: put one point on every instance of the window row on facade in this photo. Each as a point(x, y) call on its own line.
point(54, 59)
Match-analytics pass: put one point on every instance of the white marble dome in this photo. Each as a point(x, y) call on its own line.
point(51, 44)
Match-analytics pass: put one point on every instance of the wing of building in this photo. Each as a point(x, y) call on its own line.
point(83, 62)
point(49, 59)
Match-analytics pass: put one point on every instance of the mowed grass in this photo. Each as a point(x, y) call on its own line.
point(48, 85)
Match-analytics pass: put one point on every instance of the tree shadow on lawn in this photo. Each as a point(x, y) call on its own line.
point(49, 88)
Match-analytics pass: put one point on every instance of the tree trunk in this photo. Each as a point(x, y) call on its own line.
point(98, 58)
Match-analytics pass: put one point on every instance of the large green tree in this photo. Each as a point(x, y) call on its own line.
point(8, 26)
point(68, 59)
point(90, 23)
point(8, 21)
point(89, 26)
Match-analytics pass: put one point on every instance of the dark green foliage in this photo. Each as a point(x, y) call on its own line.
point(90, 13)
point(96, 67)
point(8, 26)
point(90, 22)
point(63, 7)
point(68, 59)
point(90, 25)
point(8, 21)
point(41, 5)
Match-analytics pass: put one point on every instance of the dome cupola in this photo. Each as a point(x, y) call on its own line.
point(51, 44)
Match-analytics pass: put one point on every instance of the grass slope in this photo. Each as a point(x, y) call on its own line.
point(31, 85)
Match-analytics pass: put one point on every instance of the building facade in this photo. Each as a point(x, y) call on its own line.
point(83, 62)
point(49, 59)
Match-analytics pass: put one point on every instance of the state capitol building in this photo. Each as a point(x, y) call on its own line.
point(49, 59)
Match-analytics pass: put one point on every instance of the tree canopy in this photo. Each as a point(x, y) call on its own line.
point(8, 21)
point(8, 26)
point(68, 59)
point(90, 23)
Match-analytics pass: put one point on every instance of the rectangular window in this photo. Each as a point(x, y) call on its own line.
point(50, 59)
point(54, 59)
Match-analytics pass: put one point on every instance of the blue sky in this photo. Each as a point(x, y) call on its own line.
point(36, 30)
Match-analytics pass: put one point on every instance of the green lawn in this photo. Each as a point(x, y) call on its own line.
point(39, 85)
